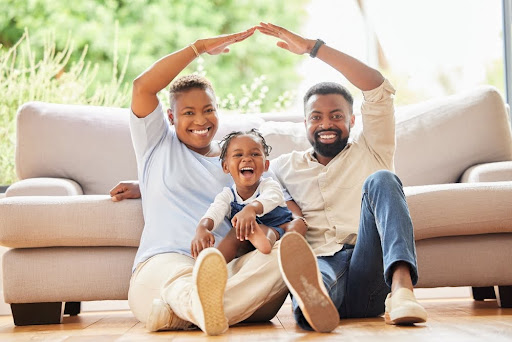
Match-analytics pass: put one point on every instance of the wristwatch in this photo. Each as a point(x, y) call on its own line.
point(314, 50)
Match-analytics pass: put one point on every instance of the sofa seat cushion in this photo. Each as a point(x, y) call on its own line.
point(460, 209)
point(49, 221)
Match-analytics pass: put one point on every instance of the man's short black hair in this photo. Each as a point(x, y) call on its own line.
point(326, 88)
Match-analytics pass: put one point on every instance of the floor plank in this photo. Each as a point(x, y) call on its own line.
point(449, 320)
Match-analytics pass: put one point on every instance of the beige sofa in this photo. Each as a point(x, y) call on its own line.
point(70, 243)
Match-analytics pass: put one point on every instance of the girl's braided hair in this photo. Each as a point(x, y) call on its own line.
point(227, 139)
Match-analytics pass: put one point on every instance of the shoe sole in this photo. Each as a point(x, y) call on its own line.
point(402, 320)
point(211, 281)
point(305, 282)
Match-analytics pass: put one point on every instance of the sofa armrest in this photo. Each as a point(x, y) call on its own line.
point(457, 209)
point(44, 187)
point(488, 172)
point(53, 221)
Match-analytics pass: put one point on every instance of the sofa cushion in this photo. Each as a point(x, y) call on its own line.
point(284, 137)
point(438, 140)
point(88, 144)
point(87, 220)
point(460, 209)
point(236, 122)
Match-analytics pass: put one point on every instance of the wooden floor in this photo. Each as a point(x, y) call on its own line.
point(449, 320)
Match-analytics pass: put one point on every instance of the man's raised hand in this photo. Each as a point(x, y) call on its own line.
point(289, 41)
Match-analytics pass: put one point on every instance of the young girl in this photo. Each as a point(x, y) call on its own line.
point(255, 205)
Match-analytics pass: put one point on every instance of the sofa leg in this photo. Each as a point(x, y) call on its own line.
point(37, 313)
point(72, 308)
point(482, 293)
point(504, 296)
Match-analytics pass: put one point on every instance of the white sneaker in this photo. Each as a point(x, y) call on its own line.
point(210, 276)
point(403, 308)
point(162, 317)
point(299, 269)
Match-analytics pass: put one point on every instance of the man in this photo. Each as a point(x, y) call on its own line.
point(346, 278)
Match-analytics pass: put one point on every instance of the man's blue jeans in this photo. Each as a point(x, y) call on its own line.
point(358, 278)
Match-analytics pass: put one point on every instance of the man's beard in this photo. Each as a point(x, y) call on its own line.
point(329, 150)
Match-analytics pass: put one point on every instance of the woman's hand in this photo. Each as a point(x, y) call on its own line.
point(124, 190)
point(219, 44)
point(289, 41)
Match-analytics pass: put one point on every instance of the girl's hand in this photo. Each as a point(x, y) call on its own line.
point(203, 239)
point(219, 44)
point(290, 41)
point(244, 223)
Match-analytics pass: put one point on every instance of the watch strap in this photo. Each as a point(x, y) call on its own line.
point(315, 48)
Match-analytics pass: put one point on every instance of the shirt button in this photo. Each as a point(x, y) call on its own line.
point(329, 208)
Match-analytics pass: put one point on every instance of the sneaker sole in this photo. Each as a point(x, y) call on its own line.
point(211, 281)
point(305, 283)
point(403, 318)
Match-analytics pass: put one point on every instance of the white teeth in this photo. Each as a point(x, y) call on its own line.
point(330, 136)
point(203, 131)
point(246, 169)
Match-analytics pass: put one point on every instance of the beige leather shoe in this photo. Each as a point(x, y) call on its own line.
point(403, 308)
point(210, 276)
point(299, 269)
point(162, 318)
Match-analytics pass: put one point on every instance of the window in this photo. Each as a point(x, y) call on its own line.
point(426, 48)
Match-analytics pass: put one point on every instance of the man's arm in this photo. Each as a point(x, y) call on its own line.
point(124, 190)
point(147, 85)
point(359, 74)
point(298, 224)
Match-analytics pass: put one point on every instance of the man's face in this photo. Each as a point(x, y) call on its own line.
point(194, 115)
point(328, 122)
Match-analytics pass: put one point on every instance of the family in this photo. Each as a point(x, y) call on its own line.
point(229, 234)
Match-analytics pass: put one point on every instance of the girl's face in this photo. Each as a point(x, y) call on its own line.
point(245, 161)
point(194, 116)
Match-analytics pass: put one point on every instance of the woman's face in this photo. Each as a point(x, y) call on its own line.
point(194, 115)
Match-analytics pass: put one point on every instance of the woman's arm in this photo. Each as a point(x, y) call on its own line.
point(147, 85)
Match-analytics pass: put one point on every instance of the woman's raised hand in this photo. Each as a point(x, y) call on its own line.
point(289, 41)
point(219, 44)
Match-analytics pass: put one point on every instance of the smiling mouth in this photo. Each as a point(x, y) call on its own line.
point(247, 171)
point(327, 136)
point(200, 131)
